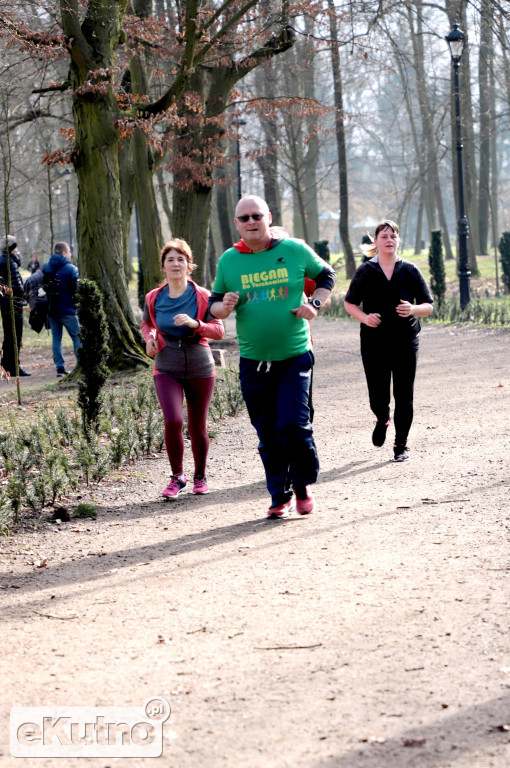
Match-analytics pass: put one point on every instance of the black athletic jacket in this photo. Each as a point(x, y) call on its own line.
point(371, 289)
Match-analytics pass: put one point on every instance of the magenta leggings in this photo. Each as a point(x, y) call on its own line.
point(170, 394)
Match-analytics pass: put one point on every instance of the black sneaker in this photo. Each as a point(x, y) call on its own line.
point(62, 372)
point(379, 433)
point(400, 452)
point(12, 374)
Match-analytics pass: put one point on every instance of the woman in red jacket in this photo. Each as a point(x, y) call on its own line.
point(175, 333)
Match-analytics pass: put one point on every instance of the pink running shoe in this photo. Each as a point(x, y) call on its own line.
point(200, 485)
point(175, 487)
point(282, 510)
point(305, 502)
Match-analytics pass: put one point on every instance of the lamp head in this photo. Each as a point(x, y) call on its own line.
point(456, 40)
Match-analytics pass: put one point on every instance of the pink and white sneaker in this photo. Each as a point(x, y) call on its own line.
point(281, 510)
point(176, 485)
point(200, 486)
point(305, 502)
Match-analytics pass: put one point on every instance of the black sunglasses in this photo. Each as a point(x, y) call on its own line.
point(246, 217)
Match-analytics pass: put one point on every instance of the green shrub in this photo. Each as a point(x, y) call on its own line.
point(94, 353)
point(504, 249)
point(42, 461)
point(480, 310)
point(6, 515)
point(227, 399)
point(322, 249)
point(436, 265)
point(85, 511)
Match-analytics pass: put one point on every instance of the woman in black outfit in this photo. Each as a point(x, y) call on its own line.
point(388, 295)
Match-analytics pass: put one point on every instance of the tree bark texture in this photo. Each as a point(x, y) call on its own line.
point(268, 162)
point(484, 66)
point(163, 193)
point(494, 195)
point(311, 158)
point(191, 209)
point(419, 224)
point(144, 166)
point(350, 261)
point(127, 199)
point(100, 230)
point(431, 164)
point(223, 202)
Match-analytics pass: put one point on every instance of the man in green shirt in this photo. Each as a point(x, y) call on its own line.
point(262, 277)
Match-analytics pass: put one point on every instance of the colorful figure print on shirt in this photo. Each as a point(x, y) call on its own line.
point(270, 285)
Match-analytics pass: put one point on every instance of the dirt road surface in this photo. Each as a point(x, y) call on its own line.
point(373, 634)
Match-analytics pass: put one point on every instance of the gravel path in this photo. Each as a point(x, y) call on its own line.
point(373, 634)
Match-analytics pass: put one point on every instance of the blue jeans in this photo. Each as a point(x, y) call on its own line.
point(57, 324)
point(278, 402)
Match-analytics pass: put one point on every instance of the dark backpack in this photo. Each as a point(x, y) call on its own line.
point(50, 285)
point(38, 317)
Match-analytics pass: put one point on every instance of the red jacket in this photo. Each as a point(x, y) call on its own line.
point(213, 329)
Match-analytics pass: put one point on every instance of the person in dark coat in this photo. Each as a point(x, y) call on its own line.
point(34, 264)
point(9, 250)
point(60, 282)
point(37, 300)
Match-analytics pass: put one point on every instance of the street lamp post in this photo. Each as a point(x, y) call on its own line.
point(238, 122)
point(57, 191)
point(455, 42)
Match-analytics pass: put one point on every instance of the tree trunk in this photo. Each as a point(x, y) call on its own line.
point(350, 261)
point(295, 138)
point(150, 224)
point(506, 72)
point(127, 199)
point(294, 156)
point(100, 231)
point(223, 210)
point(484, 65)
point(99, 227)
point(268, 165)
point(268, 162)
point(432, 171)
point(215, 231)
point(192, 200)
point(494, 165)
point(144, 169)
point(164, 197)
point(311, 157)
point(419, 225)
point(190, 220)
point(419, 144)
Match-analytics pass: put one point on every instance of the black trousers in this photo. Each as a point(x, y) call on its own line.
point(8, 342)
point(382, 362)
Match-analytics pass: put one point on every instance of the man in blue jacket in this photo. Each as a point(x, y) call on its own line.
point(60, 281)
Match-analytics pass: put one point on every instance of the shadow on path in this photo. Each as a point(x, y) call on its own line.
point(446, 740)
point(98, 566)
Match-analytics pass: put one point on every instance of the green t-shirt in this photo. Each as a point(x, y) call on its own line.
point(270, 285)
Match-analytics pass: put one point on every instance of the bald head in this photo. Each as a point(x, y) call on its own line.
point(252, 222)
point(258, 201)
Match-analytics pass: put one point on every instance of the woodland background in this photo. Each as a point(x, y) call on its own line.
point(125, 122)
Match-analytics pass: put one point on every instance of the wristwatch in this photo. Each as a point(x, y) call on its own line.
point(317, 303)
